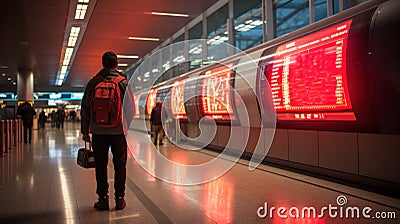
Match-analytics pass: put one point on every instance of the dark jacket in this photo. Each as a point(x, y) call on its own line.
point(61, 115)
point(27, 112)
point(86, 126)
point(155, 116)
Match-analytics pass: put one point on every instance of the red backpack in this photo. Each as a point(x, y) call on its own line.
point(106, 102)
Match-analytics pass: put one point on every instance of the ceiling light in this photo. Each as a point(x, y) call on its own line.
point(9, 79)
point(69, 50)
point(66, 61)
point(80, 11)
point(73, 36)
point(4, 66)
point(3, 74)
point(14, 83)
point(169, 14)
point(127, 56)
point(83, 1)
point(144, 38)
point(64, 68)
point(122, 65)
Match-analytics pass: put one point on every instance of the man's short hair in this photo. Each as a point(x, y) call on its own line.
point(109, 60)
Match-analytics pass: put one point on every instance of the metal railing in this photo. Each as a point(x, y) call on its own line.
point(11, 133)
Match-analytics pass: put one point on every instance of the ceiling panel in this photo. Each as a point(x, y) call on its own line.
point(35, 33)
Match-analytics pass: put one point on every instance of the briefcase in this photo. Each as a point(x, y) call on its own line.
point(85, 157)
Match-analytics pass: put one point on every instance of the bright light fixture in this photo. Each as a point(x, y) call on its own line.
point(127, 56)
point(80, 11)
point(73, 36)
point(64, 68)
point(66, 61)
point(144, 38)
point(169, 14)
point(83, 1)
point(122, 65)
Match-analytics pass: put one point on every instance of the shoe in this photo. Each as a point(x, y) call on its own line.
point(120, 203)
point(102, 204)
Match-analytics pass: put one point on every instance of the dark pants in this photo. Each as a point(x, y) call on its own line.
point(27, 133)
point(158, 134)
point(101, 145)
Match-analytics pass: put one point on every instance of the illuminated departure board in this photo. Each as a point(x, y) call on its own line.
point(151, 100)
point(216, 93)
point(308, 76)
point(178, 99)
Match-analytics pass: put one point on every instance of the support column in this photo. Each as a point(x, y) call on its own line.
point(25, 85)
point(269, 19)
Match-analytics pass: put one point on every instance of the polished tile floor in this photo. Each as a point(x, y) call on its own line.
point(41, 183)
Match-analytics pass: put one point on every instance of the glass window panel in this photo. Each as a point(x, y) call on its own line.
point(319, 10)
point(154, 72)
point(217, 47)
point(248, 31)
point(248, 23)
point(242, 8)
point(179, 39)
point(335, 6)
point(195, 54)
point(178, 58)
point(352, 3)
point(195, 49)
point(165, 58)
point(217, 21)
point(196, 31)
point(217, 35)
point(291, 15)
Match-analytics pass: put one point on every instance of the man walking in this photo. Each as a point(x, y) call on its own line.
point(27, 112)
point(155, 120)
point(102, 116)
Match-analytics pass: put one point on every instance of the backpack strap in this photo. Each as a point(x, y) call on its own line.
point(98, 78)
point(119, 79)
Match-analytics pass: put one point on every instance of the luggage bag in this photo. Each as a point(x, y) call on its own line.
point(85, 157)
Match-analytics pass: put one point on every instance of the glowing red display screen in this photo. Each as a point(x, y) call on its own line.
point(216, 93)
point(137, 97)
point(308, 76)
point(178, 100)
point(151, 100)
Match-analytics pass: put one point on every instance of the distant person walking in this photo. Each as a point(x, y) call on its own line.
point(42, 119)
point(72, 115)
point(53, 118)
point(27, 112)
point(155, 120)
point(60, 117)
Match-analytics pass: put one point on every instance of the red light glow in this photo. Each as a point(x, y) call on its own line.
point(216, 93)
point(137, 97)
point(178, 100)
point(151, 100)
point(308, 76)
